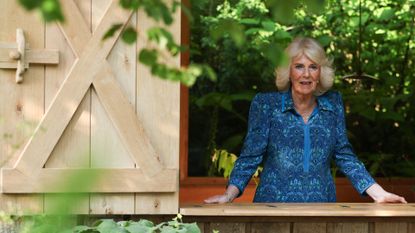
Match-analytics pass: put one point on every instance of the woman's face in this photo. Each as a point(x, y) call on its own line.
point(304, 74)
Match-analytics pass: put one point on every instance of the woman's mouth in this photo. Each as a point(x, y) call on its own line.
point(305, 82)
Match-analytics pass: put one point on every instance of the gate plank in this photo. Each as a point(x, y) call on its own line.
point(158, 105)
point(391, 227)
point(306, 227)
point(348, 227)
point(122, 60)
point(22, 104)
point(270, 227)
point(72, 149)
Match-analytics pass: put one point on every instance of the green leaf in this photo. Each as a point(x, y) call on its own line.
point(51, 11)
point(268, 25)
point(129, 35)
point(324, 40)
point(210, 73)
point(83, 229)
point(229, 27)
point(30, 4)
point(109, 226)
point(135, 227)
point(387, 13)
point(192, 228)
point(130, 4)
point(112, 30)
point(145, 222)
point(148, 57)
point(249, 21)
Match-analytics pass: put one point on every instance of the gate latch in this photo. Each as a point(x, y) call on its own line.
point(18, 55)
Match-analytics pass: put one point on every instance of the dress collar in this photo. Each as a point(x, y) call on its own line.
point(323, 102)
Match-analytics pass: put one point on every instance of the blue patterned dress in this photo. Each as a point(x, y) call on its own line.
point(296, 155)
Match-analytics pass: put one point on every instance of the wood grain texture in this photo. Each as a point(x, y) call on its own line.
point(270, 227)
point(70, 95)
point(158, 106)
point(122, 61)
point(300, 227)
point(348, 227)
point(228, 227)
point(73, 148)
point(389, 227)
point(411, 227)
point(22, 105)
point(156, 203)
point(303, 209)
point(128, 126)
point(105, 180)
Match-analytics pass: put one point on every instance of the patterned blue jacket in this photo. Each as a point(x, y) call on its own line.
point(297, 156)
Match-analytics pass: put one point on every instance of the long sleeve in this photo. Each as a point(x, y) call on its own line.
point(345, 158)
point(255, 144)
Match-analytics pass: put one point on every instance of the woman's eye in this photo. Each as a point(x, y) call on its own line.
point(313, 67)
point(299, 67)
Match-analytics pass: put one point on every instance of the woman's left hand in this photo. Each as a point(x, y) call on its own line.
point(379, 195)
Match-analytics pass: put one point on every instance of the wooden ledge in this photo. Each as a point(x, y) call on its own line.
point(301, 209)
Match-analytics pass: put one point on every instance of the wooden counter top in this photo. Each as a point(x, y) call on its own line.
point(301, 209)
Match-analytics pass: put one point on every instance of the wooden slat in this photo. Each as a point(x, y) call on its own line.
point(46, 56)
point(104, 138)
point(391, 227)
point(267, 227)
point(43, 56)
point(75, 28)
point(411, 227)
point(10, 65)
point(21, 105)
point(158, 106)
point(120, 203)
point(306, 209)
point(107, 151)
point(73, 147)
point(300, 227)
point(126, 122)
point(70, 95)
point(228, 227)
point(155, 203)
point(108, 180)
point(348, 227)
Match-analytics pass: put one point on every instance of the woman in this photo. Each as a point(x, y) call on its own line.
point(296, 132)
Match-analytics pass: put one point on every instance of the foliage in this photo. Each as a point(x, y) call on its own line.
point(64, 224)
point(380, 115)
point(162, 45)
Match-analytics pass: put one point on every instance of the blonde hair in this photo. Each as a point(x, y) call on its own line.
point(313, 50)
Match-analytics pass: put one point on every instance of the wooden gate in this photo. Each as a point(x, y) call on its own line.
point(97, 109)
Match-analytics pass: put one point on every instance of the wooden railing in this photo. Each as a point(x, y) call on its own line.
point(304, 218)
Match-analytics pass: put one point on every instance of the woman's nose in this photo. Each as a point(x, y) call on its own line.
point(306, 73)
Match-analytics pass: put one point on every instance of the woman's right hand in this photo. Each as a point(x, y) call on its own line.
point(219, 199)
point(231, 193)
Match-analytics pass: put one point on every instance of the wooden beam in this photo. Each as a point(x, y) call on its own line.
point(301, 209)
point(48, 132)
point(126, 122)
point(106, 180)
point(75, 29)
point(40, 56)
point(184, 97)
